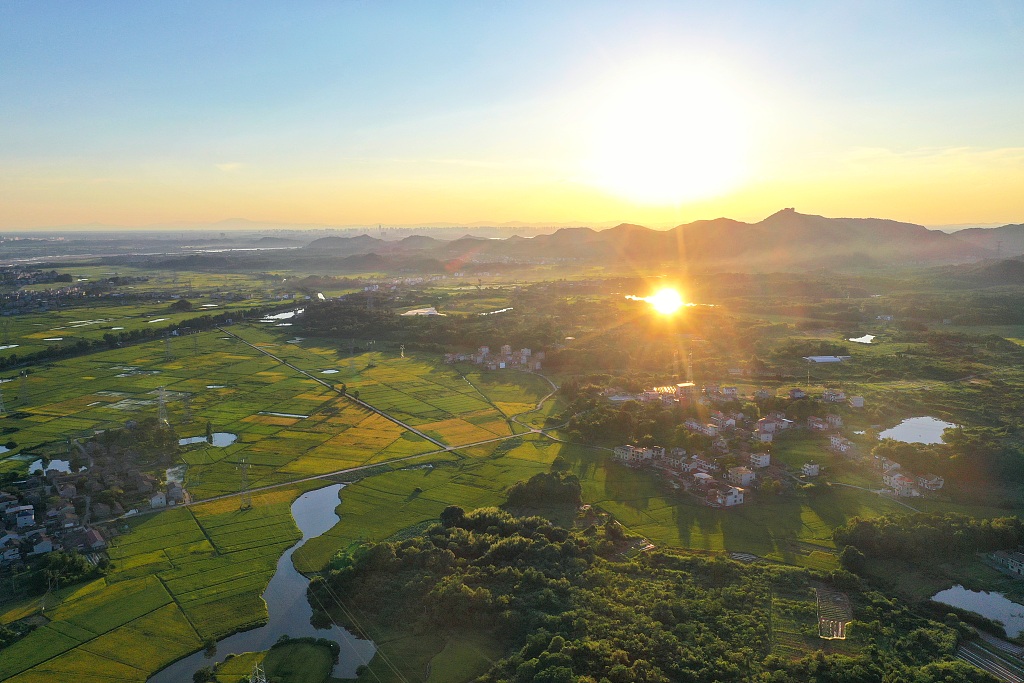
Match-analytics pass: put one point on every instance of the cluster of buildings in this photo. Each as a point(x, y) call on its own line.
point(507, 358)
point(702, 476)
point(903, 483)
point(28, 530)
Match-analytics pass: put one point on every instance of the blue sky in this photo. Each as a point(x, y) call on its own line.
point(144, 112)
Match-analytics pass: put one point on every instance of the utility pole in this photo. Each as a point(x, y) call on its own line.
point(161, 409)
point(246, 500)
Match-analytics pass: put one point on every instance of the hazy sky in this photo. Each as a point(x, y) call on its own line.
point(349, 112)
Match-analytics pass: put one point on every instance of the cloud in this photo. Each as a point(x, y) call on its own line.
point(230, 166)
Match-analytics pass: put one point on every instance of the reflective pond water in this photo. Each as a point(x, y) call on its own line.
point(918, 430)
point(994, 606)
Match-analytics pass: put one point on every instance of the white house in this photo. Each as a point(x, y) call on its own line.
point(811, 469)
point(764, 437)
point(759, 460)
point(158, 500)
point(856, 401)
point(900, 483)
point(730, 393)
point(726, 497)
point(840, 444)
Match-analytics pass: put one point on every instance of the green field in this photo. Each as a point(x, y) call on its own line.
point(178, 578)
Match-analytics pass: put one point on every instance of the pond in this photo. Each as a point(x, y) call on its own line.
point(866, 339)
point(59, 465)
point(220, 439)
point(918, 430)
point(287, 605)
point(282, 316)
point(993, 606)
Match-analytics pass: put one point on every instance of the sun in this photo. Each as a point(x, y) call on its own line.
point(666, 301)
point(665, 136)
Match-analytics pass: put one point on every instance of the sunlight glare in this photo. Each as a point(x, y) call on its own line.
point(665, 136)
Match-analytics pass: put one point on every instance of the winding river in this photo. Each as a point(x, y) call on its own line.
point(287, 605)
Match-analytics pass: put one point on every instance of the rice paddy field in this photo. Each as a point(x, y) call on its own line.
point(28, 333)
point(288, 427)
point(178, 578)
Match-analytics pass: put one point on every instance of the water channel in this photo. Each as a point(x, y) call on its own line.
point(287, 605)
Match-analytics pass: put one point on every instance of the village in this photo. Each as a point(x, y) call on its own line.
point(733, 454)
point(71, 504)
point(505, 359)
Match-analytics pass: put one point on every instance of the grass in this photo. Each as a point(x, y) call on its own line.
point(298, 663)
point(464, 658)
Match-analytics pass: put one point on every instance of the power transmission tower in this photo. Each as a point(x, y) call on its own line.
point(161, 410)
point(188, 408)
point(401, 349)
point(3, 410)
point(246, 500)
point(257, 675)
point(167, 348)
point(52, 582)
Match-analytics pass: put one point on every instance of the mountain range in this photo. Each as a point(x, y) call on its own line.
point(784, 239)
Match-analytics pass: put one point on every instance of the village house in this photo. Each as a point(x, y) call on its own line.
point(811, 469)
point(930, 482)
point(763, 394)
point(885, 464)
point(741, 476)
point(703, 480)
point(730, 393)
point(816, 424)
point(765, 437)
point(760, 460)
point(856, 401)
point(725, 496)
point(834, 421)
point(708, 430)
point(676, 458)
point(1011, 560)
point(700, 464)
point(158, 500)
point(900, 483)
point(796, 393)
point(833, 396)
point(840, 444)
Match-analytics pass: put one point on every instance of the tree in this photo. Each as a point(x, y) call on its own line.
point(452, 515)
point(852, 559)
point(209, 432)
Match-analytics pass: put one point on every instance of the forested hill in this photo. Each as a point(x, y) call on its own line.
point(561, 607)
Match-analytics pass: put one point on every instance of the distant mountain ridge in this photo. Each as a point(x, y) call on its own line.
point(784, 239)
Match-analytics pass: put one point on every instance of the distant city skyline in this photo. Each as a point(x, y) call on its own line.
point(656, 113)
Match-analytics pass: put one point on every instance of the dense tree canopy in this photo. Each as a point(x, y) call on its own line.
point(567, 610)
